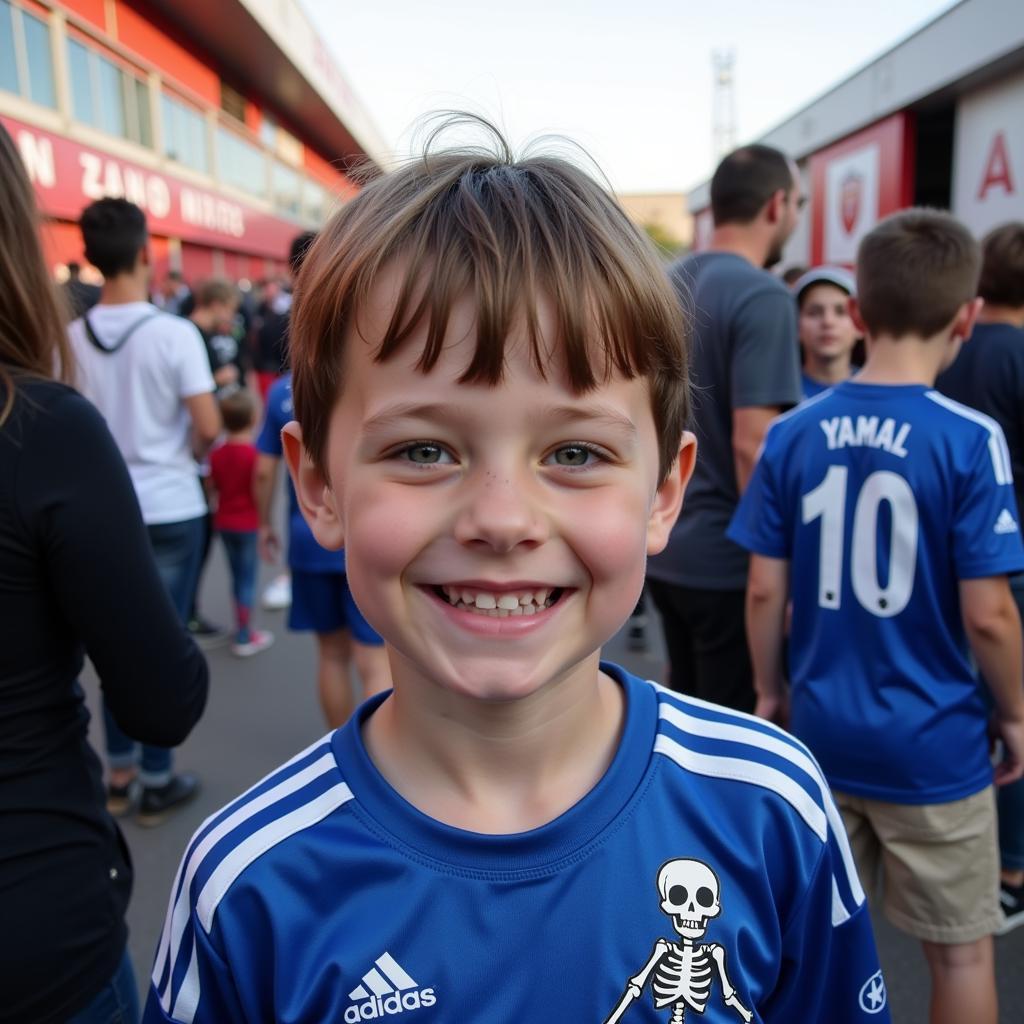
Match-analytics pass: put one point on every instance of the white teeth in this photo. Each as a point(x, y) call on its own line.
point(508, 601)
point(540, 597)
point(485, 601)
point(498, 605)
point(529, 609)
point(518, 610)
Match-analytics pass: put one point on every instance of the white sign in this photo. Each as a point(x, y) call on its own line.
point(851, 202)
point(988, 160)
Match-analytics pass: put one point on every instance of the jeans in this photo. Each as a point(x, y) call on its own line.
point(1010, 799)
point(243, 560)
point(117, 1002)
point(177, 550)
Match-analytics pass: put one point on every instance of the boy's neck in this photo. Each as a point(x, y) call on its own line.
point(908, 359)
point(827, 371)
point(240, 436)
point(497, 768)
point(124, 288)
point(1012, 315)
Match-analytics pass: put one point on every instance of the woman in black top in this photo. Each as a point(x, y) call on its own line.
point(76, 577)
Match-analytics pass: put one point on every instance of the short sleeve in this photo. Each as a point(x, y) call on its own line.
point(278, 413)
point(986, 530)
point(829, 972)
point(192, 362)
point(765, 364)
point(205, 993)
point(759, 522)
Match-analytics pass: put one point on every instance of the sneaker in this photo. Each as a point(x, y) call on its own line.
point(278, 594)
point(158, 801)
point(206, 634)
point(122, 799)
point(259, 640)
point(1011, 902)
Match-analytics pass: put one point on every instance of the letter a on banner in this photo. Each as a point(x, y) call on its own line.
point(997, 169)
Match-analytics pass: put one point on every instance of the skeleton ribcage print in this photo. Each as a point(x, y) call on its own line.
point(683, 975)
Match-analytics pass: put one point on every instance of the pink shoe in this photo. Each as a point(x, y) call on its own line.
point(259, 640)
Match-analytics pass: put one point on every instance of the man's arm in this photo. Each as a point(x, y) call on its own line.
point(206, 422)
point(264, 484)
point(994, 631)
point(767, 594)
point(749, 426)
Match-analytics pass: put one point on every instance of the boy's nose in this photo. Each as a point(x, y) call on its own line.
point(498, 512)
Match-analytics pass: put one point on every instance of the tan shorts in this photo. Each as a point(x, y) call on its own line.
point(935, 866)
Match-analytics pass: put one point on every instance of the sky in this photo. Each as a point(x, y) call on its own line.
point(630, 81)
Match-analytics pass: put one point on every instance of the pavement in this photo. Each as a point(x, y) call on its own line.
point(262, 710)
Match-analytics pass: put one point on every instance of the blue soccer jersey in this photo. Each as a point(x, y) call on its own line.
point(707, 873)
point(883, 498)
point(304, 553)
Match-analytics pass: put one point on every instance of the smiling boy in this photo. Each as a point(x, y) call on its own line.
point(490, 394)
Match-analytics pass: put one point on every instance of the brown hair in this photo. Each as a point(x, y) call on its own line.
point(914, 271)
point(215, 289)
point(238, 408)
point(32, 316)
point(507, 232)
point(1002, 266)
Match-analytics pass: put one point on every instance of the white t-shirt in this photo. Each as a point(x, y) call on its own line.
point(140, 390)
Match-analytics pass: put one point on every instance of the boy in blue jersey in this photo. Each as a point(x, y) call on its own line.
point(886, 511)
point(490, 394)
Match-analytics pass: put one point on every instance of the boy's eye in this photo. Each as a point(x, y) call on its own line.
point(426, 454)
point(575, 456)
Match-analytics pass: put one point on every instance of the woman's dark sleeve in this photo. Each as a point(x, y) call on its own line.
point(77, 498)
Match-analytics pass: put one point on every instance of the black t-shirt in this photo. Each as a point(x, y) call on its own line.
point(743, 354)
point(76, 576)
point(988, 375)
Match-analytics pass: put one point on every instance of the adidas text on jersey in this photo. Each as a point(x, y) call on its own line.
point(387, 989)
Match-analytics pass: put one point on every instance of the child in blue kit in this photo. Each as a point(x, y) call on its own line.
point(886, 512)
point(490, 397)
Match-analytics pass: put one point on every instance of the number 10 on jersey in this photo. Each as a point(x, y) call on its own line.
point(827, 502)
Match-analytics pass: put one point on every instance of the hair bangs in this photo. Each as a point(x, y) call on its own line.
point(493, 240)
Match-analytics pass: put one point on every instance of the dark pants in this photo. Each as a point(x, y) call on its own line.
point(177, 548)
point(117, 1002)
point(1011, 797)
point(707, 643)
point(243, 561)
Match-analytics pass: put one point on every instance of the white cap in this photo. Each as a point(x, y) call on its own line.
point(838, 276)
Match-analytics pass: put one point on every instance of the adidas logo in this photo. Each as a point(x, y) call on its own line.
point(386, 989)
point(1005, 523)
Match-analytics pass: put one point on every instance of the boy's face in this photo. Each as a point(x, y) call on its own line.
point(495, 536)
point(826, 328)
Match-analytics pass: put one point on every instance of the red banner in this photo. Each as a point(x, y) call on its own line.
point(68, 176)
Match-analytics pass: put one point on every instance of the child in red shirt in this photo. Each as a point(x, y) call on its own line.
point(232, 468)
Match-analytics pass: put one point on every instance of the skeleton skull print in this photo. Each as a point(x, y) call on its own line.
point(681, 972)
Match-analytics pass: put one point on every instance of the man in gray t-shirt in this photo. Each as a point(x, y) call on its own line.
point(746, 370)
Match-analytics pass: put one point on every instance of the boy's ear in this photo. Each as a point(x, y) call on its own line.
point(315, 496)
point(967, 316)
point(858, 320)
point(669, 498)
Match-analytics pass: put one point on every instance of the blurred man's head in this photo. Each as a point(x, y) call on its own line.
point(1002, 267)
point(759, 188)
point(115, 236)
point(216, 303)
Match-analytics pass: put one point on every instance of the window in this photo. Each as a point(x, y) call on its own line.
point(268, 131)
point(232, 102)
point(240, 163)
point(107, 97)
point(287, 189)
point(316, 203)
point(185, 134)
point(26, 64)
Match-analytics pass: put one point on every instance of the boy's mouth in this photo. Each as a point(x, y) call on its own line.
point(500, 604)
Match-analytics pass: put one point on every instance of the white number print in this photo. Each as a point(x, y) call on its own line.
point(827, 502)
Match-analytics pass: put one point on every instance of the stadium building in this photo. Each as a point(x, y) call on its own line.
point(227, 121)
point(938, 120)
